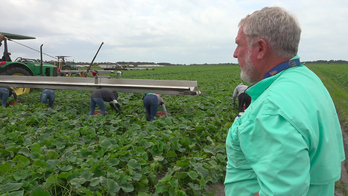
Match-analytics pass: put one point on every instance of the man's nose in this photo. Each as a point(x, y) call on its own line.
point(235, 54)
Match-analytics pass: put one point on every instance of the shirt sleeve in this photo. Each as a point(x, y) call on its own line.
point(235, 92)
point(14, 95)
point(279, 156)
point(164, 109)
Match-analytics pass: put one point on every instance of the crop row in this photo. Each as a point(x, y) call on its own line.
point(336, 72)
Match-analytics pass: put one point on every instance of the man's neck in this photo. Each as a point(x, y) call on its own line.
point(269, 63)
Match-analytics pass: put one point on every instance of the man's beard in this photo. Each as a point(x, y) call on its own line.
point(248, 68)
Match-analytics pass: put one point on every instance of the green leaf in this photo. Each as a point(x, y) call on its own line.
point(221, 158)
point(134, 164)
point(64, 175)
point(171, 154)
point(15, 193)
point(107, 142)
point(85, 153)
point(24, 151)
point(161, 188)
point(40, 163)
point(111, 186)
point(53, 181)
point(10, 187)
point(158, 158)
point(20, 159)
point(194, 186)
point(36, 148)
point(51, 155)
point(147, 144)
point(113, 162)
point(210, 140)
point(127, 188)
point(204, 172)
point(136, 176)
point(111, 170)
point(172, 191)
point(174, 183)
point(66, 168)
point(193, 175)
point(40, 191)
point(202, 183)
point(20, 175)
point(115, 121)
point(95, 181)
point(77, 181)
point(180, 175)
point(182, 163)
point(209, 149)
point(140, 150)
point(4, 168)
point(199, 128)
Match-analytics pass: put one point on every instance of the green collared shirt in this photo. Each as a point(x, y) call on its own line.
point(288, 141)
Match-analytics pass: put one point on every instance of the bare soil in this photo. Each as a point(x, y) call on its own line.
point(342, 184)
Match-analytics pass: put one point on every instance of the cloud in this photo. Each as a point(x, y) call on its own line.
point(182, 31)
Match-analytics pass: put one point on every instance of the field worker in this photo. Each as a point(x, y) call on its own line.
point(290, 141)
point(243, 98)
point(119, 73)
point(99, 96)
point(48, 94)
point(151, 102)
point(94, 73)
point(5, 93)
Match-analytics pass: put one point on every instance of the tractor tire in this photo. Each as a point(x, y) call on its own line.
point(18, 71)
point(66, 67)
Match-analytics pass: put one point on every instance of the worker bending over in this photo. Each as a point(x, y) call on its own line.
point(5, 93)
point(48, 94)
point(99, 96)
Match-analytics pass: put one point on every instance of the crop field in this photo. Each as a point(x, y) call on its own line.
point(63, 151)
point(335, 78)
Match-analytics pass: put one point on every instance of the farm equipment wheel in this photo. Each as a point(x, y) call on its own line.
point(83, 74)
point(18, 71)
point(67, 68)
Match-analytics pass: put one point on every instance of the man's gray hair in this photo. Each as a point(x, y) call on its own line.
point(277, 27)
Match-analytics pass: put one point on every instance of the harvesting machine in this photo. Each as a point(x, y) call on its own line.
point(19, 74)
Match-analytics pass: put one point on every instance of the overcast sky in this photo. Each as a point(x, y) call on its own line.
point(176, 31)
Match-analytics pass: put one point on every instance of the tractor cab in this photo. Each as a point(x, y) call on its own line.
point(63, 64)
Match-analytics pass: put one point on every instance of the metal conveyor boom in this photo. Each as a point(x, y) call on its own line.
point(169, 87)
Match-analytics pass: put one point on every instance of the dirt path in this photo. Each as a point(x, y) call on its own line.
point(342, 184)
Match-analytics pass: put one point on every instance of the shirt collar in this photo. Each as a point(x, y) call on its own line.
point(295, 61)
point(254, 91)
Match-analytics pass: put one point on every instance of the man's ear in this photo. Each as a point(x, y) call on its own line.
point(262, 48)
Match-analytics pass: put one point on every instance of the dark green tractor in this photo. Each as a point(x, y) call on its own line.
point(23, 66)
point(63, 64)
